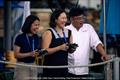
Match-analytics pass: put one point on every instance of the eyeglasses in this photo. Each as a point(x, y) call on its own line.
point(79, 17)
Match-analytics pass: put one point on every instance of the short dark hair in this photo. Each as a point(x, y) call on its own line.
point(28, 22)
point(55, 16)
point(76, 12)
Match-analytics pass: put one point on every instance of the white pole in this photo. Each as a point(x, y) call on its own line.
point(104, 30)
point(104, 37)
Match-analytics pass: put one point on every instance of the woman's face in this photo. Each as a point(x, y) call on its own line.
point(62, 19)
point(35, 26)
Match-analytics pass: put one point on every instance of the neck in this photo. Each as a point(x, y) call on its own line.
point(58, 29)
point(77, 27)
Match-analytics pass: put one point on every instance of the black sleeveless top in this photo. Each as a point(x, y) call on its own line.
point(59, 57)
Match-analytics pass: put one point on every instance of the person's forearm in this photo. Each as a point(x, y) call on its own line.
point(53, 50)
point(101, 50)
point(22, 55)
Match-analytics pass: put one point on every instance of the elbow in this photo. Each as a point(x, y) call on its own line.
point(16, 55)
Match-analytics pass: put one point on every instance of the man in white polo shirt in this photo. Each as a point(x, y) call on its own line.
point(85, 36)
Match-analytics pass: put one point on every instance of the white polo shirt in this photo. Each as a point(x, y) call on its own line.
point(86, 38)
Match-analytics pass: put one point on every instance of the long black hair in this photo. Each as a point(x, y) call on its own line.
point(28, 22)
point(55, 16)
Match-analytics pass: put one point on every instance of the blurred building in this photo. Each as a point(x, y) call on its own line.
point(43, 8)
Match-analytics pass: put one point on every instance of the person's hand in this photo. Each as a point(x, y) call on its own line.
point(32, 54)
point(64, 47)
point(72, 47)
point(105, 57)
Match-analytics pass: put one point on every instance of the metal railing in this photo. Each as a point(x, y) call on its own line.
point(112, 72)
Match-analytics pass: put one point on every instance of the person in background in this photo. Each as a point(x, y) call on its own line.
point(85, 36)
point(55, 40)
point(25, 45)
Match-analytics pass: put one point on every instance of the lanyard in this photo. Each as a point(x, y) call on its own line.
point(63, 34)
point(31, 46)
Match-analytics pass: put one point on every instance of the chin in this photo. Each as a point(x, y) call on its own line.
point(33, 32)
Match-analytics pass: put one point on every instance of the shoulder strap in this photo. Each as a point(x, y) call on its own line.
point(54, 33)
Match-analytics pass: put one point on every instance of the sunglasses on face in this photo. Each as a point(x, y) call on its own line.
point(78, 17)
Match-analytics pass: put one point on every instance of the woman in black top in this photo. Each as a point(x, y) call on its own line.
point(55, 40)
point(24, 48)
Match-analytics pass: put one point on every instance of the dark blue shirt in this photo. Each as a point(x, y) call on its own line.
point(26, 44)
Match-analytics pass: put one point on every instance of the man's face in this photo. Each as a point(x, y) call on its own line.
point(78, 21)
